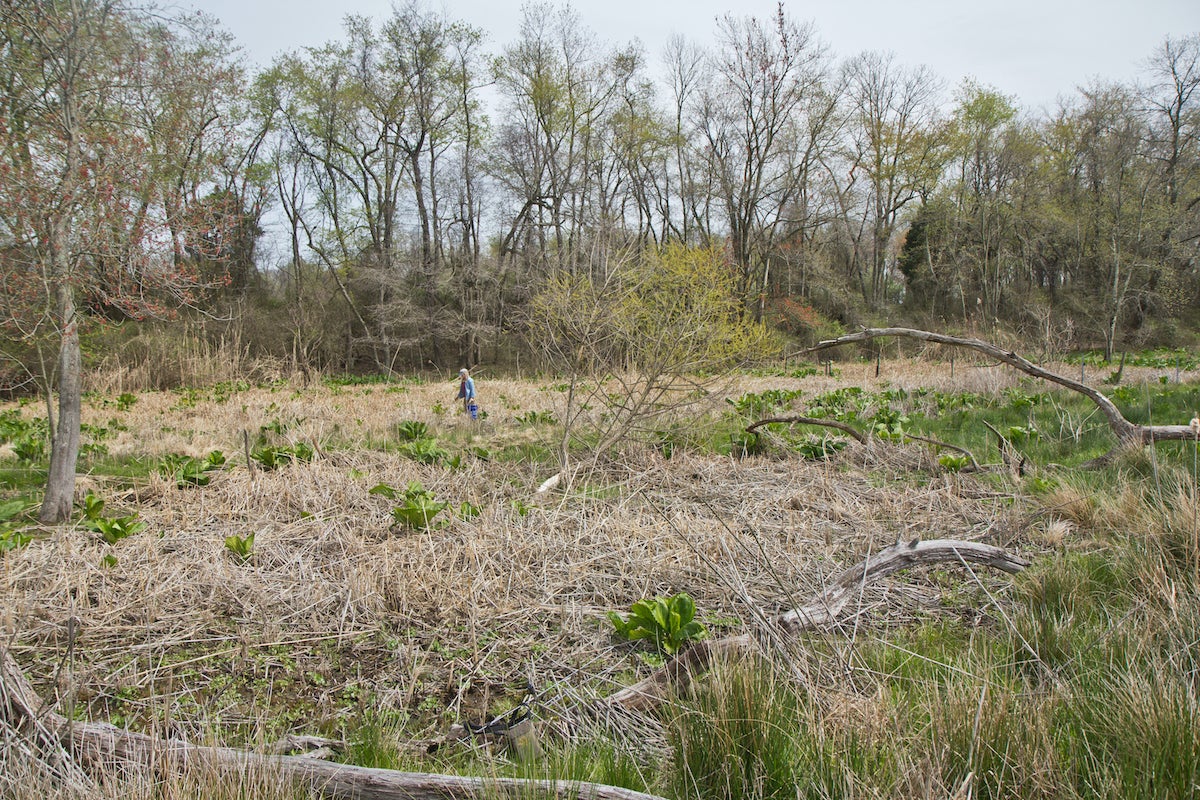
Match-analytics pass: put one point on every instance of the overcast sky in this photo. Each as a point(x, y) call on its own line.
point(1035, 50)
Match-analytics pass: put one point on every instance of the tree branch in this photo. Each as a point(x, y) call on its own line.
point(1128, 433)
point(825, 423)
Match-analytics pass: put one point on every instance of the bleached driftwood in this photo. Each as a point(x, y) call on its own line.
point(826, 607)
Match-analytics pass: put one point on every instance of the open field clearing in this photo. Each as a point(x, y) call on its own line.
point(344, 618)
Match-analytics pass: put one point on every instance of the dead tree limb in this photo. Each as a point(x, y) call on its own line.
point(825, 423)
point(821, 611)
point(826, 607)
point(97, 743)
point(1128, 434)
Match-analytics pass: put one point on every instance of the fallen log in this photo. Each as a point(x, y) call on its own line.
point(821, 611)
point(1128, 434)
point(97, 743)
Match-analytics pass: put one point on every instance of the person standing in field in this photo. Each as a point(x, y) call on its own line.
point(466, 392)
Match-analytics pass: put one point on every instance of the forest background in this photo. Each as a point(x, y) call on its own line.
point(427, 190)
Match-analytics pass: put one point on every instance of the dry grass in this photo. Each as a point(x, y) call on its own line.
point(339, 610)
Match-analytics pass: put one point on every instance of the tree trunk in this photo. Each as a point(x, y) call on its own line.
point(64, 452)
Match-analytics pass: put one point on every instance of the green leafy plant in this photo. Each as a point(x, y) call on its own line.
point(29, 448)
point(954, 462)
point(468, 510)
point(10, 537)
point(819, 448)
point(533, 418)
point(189, 470)
point(424, 451)
point(411, 430)
point(111, 529)
point(126, 401)
point(763, 404)
point(418, 506)
point(668, 621)
point(241, 547)
point(742, 444)
point(271, 457)
point(889, 424)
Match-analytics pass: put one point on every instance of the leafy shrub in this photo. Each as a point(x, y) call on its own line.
point(765, 403)
point(669, 621)
point(10, 537)
point(954, 462)
point(424, 451)
point(533, 418)
point(819, 448)
point(889, 424)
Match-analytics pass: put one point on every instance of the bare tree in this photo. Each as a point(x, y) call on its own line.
point(102, 146)
point(895, 149)
point(756, 116)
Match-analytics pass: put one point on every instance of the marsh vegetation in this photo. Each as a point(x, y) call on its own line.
point(396, 575)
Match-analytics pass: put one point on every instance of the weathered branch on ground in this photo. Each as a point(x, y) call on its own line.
point(821, 611)
point(1128, 434)
point(96, 743)
point(826, 607)
point(858, 435)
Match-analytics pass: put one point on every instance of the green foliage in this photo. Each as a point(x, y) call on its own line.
point(11, 537)
point(634, 343)
point(27, 436)
point(1161, 358)
point(764, 404)
point(843, 405)
point(954, 462)
point(412, 430)
point(818, 448)
point(743, 444)
point(126, 401)
point(532, 419)
point(889, 424)
point(668, 621)
point(111, 529)
point(241, 547)
point(189, 470)
point(269, 457)
point(749, 734)
point(418, 506)
point(424, 451)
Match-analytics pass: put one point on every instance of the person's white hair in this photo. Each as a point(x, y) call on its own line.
point(463, 371)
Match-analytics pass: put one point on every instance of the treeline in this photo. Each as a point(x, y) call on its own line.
point(420, 189)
